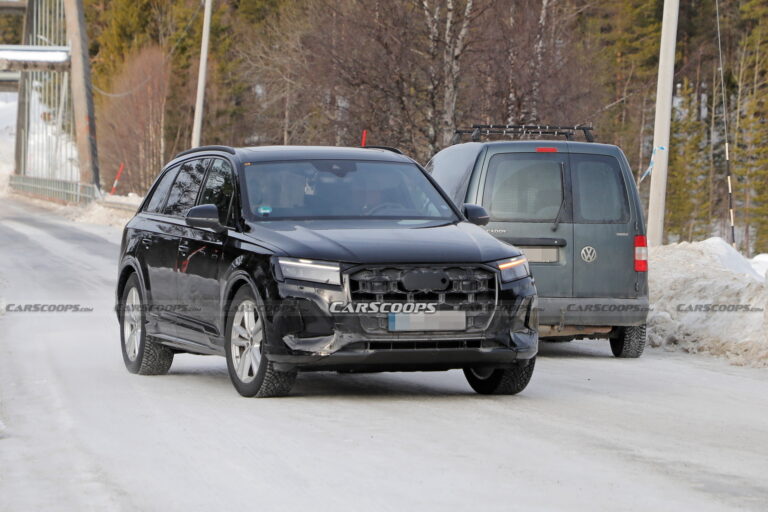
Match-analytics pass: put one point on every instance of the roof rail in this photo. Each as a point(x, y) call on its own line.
point(226, 149)
point(479, 130)
point(386, 148)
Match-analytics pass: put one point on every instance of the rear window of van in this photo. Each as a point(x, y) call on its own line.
point(524, 187)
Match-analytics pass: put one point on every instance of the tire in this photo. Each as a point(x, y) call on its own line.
point(251, 372)
point(141, 354)
point(501, 381)
point(630, 343)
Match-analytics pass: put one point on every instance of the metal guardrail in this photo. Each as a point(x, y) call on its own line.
point(59, 190)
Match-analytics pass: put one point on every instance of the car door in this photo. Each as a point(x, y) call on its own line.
point(156, 253)
point(526, 193)
point(181, 198)
point(199, 259)
point(603, 228)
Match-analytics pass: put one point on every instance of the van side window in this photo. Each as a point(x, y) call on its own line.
point(185, 188)
point(598, 189)
point(219, 188)
point(157, 199)
point(524, 187)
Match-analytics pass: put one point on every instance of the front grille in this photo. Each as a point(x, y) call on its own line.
point(461, 288)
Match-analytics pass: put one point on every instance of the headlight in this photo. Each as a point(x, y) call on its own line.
point(310, 270)
point(513, 268)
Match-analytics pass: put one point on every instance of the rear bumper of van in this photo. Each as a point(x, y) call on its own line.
point(593, 311)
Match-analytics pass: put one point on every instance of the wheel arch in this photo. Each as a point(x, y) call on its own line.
point(128, 268)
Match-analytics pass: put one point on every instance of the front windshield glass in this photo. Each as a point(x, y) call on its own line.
point(342, 189)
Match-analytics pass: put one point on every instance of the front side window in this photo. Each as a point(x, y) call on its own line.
point(312, 189)
point(157, 199)
point(219, 188)
point(524, 187)
point(185, 188)
point(599, 194)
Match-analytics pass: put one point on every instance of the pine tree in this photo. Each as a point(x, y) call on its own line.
point(687, 204)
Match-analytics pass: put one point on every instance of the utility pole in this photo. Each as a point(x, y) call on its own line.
point(82, 95)
point(197, 126)
point(664, 91)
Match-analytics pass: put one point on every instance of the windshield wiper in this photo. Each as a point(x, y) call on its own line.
point(562, 203)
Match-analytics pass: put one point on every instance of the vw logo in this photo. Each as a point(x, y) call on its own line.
point(589, 254)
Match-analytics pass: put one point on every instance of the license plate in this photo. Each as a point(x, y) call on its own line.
point(537, 254)
point(437, 321)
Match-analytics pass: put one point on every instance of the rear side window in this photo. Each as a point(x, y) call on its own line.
point(160, 192)
point(599, 193)
point(185, 188)
point(219, 187)
point(524, 187)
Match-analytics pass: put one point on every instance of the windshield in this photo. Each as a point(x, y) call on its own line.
point(342, 189)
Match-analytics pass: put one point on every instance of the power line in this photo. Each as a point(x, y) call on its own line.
point(725, 125)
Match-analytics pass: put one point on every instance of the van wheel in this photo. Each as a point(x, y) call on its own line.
point(251, 372)
point(501, 381)
point(141, 354)
point(630, 342)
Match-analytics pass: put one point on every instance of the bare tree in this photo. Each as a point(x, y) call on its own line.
point(131, 122)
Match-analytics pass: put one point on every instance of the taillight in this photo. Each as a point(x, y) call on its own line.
point(641, 253)
point(546, 150)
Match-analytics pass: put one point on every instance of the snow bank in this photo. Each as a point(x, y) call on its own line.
point(96, 213)
point(131, 199)
point(760, 264)
point(705, 296)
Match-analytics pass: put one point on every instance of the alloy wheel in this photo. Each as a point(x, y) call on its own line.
point(247, 335)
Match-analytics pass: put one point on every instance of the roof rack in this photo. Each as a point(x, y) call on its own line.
point(386, 148)
point(226, 149)
point(479, 130)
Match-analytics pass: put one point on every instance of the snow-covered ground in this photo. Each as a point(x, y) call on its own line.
point(705, 296)
point(591, 432)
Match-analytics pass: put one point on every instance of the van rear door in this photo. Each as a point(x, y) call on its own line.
point(527, 196)
point(603, 228)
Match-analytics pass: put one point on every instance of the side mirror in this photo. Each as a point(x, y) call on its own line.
point(476, 214)
point(205, 216)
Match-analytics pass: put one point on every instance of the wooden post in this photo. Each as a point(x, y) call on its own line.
point(664, 93)
point(82, 95)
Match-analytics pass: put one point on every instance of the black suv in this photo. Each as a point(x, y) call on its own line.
point(287, 259)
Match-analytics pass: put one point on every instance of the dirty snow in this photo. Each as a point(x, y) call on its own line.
point(708, 274)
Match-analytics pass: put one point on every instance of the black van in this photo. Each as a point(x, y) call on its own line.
point(574, 210)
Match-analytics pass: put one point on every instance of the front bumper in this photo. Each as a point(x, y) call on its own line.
point(307, 336)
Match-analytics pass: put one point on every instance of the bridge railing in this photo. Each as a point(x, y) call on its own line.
point(50, 188)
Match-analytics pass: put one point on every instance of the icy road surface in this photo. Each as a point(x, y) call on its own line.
point(666, 432)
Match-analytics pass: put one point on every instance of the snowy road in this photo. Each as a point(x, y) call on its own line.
point(78, 432)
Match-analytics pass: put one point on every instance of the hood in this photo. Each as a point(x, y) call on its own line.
point(381, 241)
